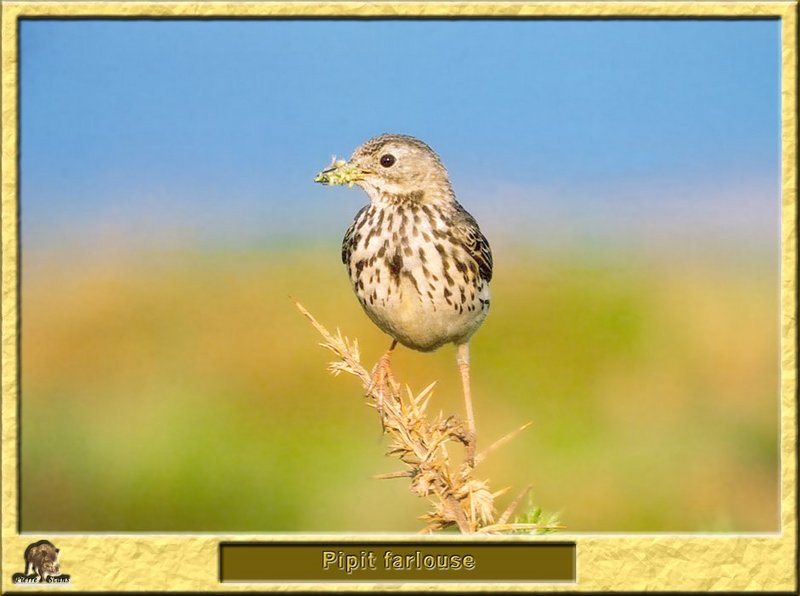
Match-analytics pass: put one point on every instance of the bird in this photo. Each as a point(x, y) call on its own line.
point(417, 260)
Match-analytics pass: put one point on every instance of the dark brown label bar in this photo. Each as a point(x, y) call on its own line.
point(401, 562)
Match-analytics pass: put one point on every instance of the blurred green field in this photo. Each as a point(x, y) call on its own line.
point(181, 391)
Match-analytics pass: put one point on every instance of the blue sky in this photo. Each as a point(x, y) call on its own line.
point(215, 129)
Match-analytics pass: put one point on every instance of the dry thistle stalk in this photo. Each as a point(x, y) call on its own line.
point(420, 442)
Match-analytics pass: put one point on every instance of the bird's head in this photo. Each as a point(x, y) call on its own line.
point(392, 168)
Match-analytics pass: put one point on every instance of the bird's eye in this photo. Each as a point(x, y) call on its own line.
point(387, 160)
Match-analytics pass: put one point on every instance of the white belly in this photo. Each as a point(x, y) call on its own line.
point(423, 324)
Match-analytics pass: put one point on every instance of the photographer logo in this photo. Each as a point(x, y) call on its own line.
point(41, 565)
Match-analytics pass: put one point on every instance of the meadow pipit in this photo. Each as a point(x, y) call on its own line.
point(418, 262)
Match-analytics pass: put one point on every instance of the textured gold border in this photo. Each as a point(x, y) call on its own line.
point(605, 562)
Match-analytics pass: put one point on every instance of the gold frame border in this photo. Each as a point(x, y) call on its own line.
point(189, 562)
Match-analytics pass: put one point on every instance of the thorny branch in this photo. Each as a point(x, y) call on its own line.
point(420, 442)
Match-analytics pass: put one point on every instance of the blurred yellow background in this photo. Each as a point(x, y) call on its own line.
point(181, 391)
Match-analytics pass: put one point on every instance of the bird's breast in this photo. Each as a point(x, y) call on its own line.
point(412, 277)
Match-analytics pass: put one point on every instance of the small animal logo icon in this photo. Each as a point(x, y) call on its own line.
point(41, 565)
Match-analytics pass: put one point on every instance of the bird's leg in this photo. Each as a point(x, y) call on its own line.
point(382, 377)
point(463, 365)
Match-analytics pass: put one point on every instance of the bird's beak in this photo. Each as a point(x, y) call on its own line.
point(340, 172)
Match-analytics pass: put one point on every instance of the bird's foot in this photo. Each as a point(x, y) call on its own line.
point(471, 446)
point(468, 439)
point(382, 383)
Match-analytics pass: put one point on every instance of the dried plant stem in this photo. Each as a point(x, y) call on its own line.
point(420, 442)
point(513, 505)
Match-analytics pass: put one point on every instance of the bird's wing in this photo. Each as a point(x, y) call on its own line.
point(347, 243)
point(474, 242)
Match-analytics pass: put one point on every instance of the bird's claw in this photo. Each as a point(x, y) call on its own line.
point(468, 439)
point(382, 379)
point(470, 442)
